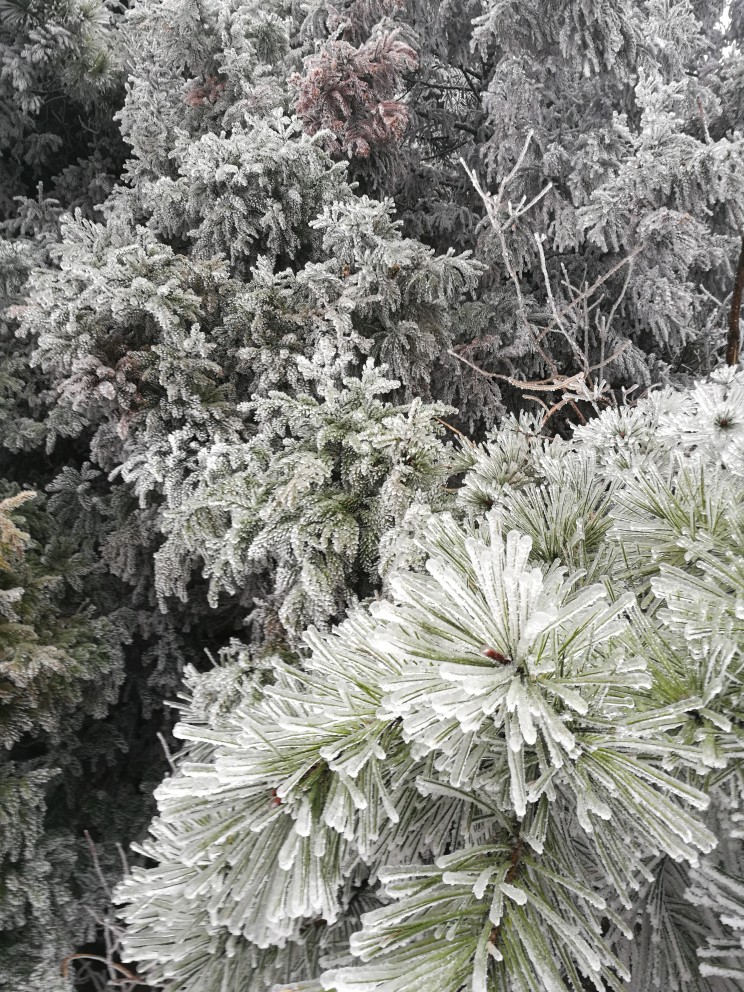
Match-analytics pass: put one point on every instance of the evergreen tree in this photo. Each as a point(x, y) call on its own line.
point(152, 335)
point(232, 368)
point(625, 122)
point(520, 769)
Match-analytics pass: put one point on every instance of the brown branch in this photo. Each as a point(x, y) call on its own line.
point(546, 386)
point(733, 342)
point(453, 429)
point(555, 408)
point(130, 975)
point(576, 410)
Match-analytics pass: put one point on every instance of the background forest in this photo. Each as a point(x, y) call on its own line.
point(371, 495)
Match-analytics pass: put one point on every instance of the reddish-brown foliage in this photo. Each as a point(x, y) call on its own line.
point(351, 92)
point(206, 92)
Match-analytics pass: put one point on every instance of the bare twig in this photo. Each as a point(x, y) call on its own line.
point(111, 938)
point(613, 356)
point(552, 385)
point(576, 410)
point(557, 316)
point(586, 293)
point(81, 956)
point(576, 387)
point(451, 428)
point(123, 858)
point(166, 750)
point(549, 411)
point(494, 205)
point(557, 381)
point(97, 863)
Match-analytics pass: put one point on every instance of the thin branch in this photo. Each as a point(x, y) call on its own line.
point(557, 382)
point(97, 863)
point(493, 206)
point(525, 207)
point(453, 429)
point(469, 81)
point(580, 382)
point(618, 301)
point(545, 385)
point(123, 858)
point(565, 401)
point(585, 294)
point(557, 316)
point(578, 412)
point(613, 356)
point(80, 956)
point(166, 750)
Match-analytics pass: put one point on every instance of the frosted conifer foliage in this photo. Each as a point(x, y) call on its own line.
point(519, 769)
point(223, 364)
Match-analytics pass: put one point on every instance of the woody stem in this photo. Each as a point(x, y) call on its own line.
point(514, 860)
point(733, 341)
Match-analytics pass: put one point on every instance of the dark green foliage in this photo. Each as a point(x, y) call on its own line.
point(61, 82)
